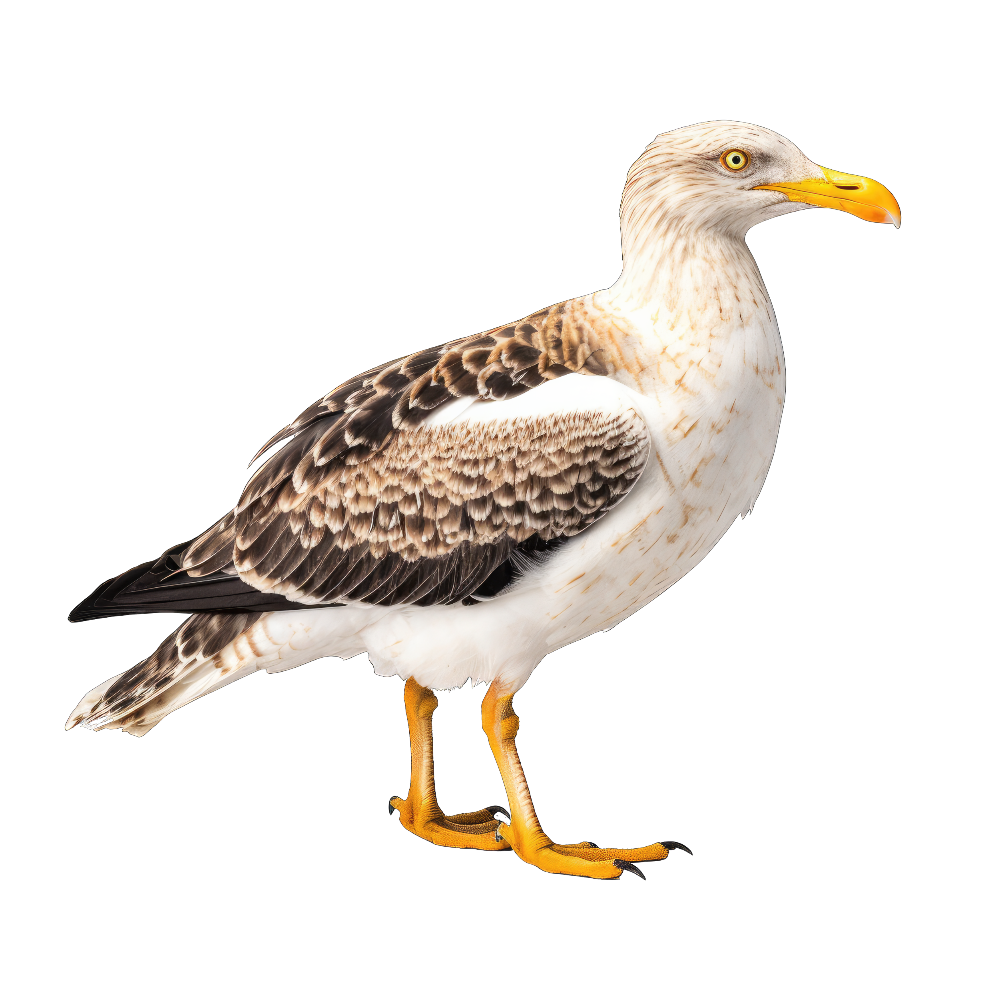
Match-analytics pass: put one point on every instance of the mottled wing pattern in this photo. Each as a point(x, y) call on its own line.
point(366, 504)
point(498, 364)
point(430, 516)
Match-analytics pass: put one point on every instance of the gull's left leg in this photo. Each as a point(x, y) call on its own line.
point(525, 833)
point(419, 812)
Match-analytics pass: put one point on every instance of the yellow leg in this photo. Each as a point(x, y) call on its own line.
point(525, 834)
point(419, 812)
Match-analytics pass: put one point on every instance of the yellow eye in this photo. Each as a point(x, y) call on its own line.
point(736, 159)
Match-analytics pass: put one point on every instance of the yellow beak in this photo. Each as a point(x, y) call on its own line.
point(861, 196)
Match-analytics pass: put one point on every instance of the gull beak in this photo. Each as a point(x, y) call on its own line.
point(861, 196)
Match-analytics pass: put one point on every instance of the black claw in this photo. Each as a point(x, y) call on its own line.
point(496, 835)
point(672, 845)
point(392, 808)
point(493, 810)
point(627, 866)
point(589, 843)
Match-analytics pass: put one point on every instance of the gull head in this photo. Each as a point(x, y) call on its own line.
point(724, 177)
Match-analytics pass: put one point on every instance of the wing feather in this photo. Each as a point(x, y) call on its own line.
point(431, 514)
point(377, 496)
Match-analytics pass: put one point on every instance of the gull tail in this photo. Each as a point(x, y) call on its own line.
point(207, 652)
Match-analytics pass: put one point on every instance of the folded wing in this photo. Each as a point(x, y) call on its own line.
point(379, 498)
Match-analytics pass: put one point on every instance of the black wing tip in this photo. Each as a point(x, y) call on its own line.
point(82, 614)
point(98, 604)
point(156, 587)
point(89, 610)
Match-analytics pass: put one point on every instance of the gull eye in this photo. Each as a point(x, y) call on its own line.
point(736, 159)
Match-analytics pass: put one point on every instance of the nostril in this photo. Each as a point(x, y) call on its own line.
point(847, 187)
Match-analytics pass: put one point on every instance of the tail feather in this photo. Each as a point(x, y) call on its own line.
point(210, 651)
point(205, 653)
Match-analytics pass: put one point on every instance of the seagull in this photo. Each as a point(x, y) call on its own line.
point(461, 512)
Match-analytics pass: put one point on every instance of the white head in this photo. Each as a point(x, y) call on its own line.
point(718, 179)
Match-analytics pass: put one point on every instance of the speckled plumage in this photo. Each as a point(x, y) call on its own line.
point(631, 426)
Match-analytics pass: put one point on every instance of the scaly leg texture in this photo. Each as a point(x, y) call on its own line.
point(419, 812)
point(525, 834)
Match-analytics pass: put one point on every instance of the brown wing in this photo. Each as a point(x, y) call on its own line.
point(365, 504)
point(431, 515)
point(498, 364)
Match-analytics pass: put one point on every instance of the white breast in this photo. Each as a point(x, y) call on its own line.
point(712, 402)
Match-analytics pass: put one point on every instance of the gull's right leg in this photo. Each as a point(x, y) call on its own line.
point(419, 812)
point(525, 834)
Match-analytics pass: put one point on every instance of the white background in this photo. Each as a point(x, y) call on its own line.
point(214, 213)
